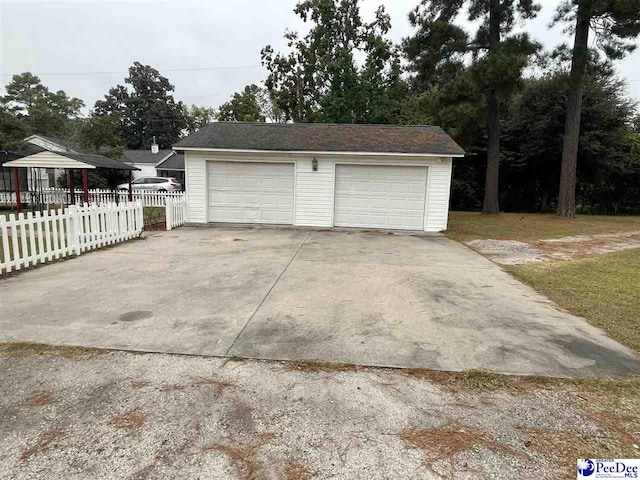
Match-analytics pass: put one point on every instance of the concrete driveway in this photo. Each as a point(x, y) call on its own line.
point(365, 298)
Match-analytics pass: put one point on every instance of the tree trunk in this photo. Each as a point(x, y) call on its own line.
point(491, 202)
point(568, 174)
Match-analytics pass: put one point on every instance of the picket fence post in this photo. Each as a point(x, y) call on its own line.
point(74, 226)
point(168, 213)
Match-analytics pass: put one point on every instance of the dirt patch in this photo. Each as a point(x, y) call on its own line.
point(508, 252)
point(155, 226)
point(218, 385)
point(317, 366)
point(511, 252)
point(45, 442)
point(296, 471)
point(481, 380)
point(131, 421)
point(30, 349)
point(138, 384)
point(39, 399)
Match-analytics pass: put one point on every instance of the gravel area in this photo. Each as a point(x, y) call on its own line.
point(120, 415)
point(511, 252)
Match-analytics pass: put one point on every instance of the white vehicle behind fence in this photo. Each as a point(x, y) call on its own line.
point(157, 184)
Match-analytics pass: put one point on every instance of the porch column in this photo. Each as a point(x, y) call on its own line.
point(16, 187)
point(85, 185)
point(72, 188)
point(130, 187)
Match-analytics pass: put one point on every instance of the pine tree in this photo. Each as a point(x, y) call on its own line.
point(615, 23)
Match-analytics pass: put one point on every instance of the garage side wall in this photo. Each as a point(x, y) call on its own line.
point(438, 192)
point(195, 168)
point(315, 190)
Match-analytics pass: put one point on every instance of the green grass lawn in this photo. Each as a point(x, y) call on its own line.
point(464, 226)
point(154, 214)
point(604, 289)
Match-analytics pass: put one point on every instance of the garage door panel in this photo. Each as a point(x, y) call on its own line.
point(244, 192)
point(380, 196)
point(380, 187)
point(379, 203)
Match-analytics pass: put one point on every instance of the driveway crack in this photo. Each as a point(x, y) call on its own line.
point(268, 293)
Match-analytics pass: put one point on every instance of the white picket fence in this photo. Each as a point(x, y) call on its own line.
point(28, 240)
point(176, 212)
point(61, 196)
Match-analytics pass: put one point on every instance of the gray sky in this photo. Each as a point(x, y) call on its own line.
point(85, 46)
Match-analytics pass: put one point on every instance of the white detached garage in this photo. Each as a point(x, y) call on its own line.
point(321, 175)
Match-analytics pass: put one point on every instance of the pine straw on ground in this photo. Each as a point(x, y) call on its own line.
point(33, 349)
point(45, 442)
point(244, 457)
point(38, 399)
point(130, 421)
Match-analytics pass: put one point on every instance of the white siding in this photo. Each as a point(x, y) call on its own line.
point(146, 170)
point(47, 160)
point(438, 191)
point(314, 192)
point(196, 179)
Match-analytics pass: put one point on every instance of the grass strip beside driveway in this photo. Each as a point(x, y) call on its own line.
point(465, 226)
point(603, 289)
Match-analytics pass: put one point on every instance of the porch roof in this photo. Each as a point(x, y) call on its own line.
point(49, 159)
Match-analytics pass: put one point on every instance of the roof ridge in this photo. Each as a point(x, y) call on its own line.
point(305, 124)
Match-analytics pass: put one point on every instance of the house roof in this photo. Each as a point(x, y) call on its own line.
point(174, 162)
point(323, 137)
point(8, 156)
point(145, 156)
point(98, 161)
point(65, 143)
point(47, 159)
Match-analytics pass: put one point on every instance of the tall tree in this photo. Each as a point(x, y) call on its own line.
point(439, 48)
point(243, 107)
point(43, 111)
point(615, 23)
point(197, 117)
point(344, 70)
point(24, 91)
point(12, 129)
point(100, 134)
point(608, 179)
point(144, 108)
point(253, 104)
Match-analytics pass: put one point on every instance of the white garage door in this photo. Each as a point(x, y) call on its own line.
point(250, 192)
point(380, 196)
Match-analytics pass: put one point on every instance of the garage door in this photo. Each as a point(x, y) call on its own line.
point(380, 196)
point(250, 192)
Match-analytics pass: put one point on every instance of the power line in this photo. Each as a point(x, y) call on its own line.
point(196, 69)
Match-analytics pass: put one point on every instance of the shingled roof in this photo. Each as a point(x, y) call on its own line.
point(174, 162)
point(98, 161)
point(145, 156)
point(323, 137)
